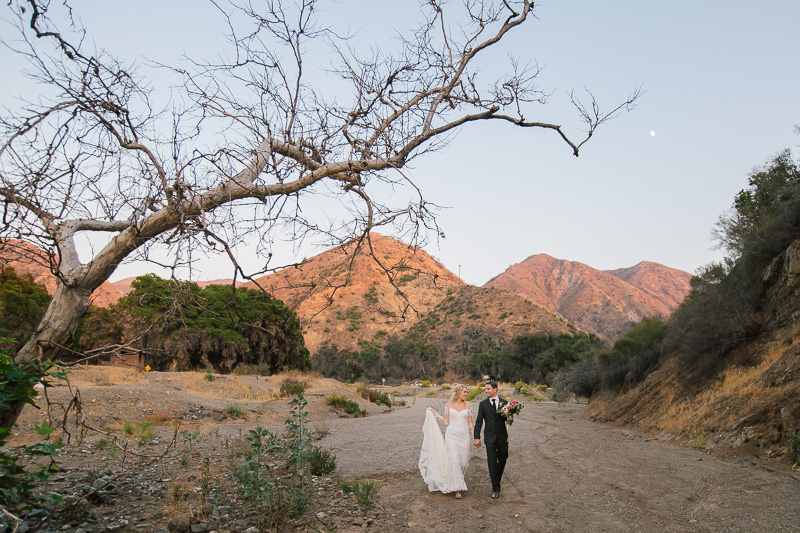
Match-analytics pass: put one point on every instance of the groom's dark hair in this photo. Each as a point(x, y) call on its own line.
point(492, 384)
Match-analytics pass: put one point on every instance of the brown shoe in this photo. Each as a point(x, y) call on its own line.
point(495, 495)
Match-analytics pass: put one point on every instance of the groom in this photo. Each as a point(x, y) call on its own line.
point(495, 435)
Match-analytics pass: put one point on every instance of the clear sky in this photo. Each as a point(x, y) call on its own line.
point(722, 83)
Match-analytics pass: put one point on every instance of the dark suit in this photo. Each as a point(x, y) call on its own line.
point(495, 436)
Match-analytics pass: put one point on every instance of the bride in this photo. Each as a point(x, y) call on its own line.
point(444, 461)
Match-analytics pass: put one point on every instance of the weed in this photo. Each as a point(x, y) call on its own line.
point(793, 442)
point(375, 396)
point(363, 490)
point(292, 387)
point(700, 439)
point(235, 410)
point(143, 432)
point(274, 472)
point(474, 393)
point(209, 376)
point(425, 383)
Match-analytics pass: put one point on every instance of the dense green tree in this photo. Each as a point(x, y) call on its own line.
point(189, 327)
point(22, 304)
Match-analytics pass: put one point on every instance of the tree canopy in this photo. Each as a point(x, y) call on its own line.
point(189, 327)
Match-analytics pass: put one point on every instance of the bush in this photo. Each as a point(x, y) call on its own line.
point(425, 383)
point(374, 396)
point(17, 484)
point(364, 491)
point(322, 461)
point(292, 387)
point(474, 393)
point(627, 363)
point(235, 410)
point(143, 432)
point(341, 401)
point(275, 473)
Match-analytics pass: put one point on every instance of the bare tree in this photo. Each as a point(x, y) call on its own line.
point(241, 140)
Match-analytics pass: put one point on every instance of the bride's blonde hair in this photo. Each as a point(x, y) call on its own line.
point(456, 389)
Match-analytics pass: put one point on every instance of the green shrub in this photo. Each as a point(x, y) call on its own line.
point(447, 387)
point(143, 432)
point(335, 399)
point(474, 393)
point(425, 383)
point(292, 387)
point(235, 410)
point(375, 396)
point(209, 376)
point(281, 484)
point(322, 461)
point(17, 484)
point(364, 491)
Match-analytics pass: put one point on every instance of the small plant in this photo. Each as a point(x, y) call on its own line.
point(446, 387)
point(503, 316)
point(700, 439)
point(793, 442)
point(209, 376)
point(292, 387)
point(363, 490)
point(425, 383)
point(142, 432)
point(335, 399)
point(375, 396)
point(321, 461)
point(321, 429)
point(235, 410)
point(474, 393)
point(18, 382)
point(205, 479)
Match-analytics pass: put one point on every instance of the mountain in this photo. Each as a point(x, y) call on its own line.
point(493, 314)
point(343, 296)
point(26, 258)
point(605, 303)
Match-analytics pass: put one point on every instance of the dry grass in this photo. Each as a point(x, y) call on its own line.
point(105, 376)
point(739, 387)
point(244, 388)
point(160, 418)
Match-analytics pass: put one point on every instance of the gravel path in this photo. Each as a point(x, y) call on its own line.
point(566, 473)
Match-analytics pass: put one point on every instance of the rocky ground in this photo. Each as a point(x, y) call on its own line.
point(565, 473)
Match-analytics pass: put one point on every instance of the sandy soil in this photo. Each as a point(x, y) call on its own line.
point(565, 473)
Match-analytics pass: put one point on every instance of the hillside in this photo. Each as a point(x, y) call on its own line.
point(491, 314)
point(342, 295)
point(26, 258)
point(752, 405)
point(605, 303)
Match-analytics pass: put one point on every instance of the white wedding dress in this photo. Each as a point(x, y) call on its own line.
point(444, 461)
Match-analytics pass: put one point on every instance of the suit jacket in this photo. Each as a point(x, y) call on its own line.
point(496, 430)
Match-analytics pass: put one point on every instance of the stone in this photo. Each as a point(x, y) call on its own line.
point(180, 524)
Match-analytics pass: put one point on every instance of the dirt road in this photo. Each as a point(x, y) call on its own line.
point(566, 473)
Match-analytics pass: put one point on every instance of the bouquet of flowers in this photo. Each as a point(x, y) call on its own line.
point(509, 409)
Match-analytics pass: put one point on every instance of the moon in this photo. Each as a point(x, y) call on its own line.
point(652, 133)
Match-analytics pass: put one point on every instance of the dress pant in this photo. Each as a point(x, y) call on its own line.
point(496, 454)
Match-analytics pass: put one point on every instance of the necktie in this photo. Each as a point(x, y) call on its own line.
point(494, 404)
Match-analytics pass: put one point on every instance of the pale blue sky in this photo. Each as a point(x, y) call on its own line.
point(722, 82)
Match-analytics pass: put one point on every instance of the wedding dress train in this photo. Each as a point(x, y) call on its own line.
point(443, 461)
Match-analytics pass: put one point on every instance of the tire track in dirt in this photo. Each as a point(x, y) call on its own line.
point(566, 473)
